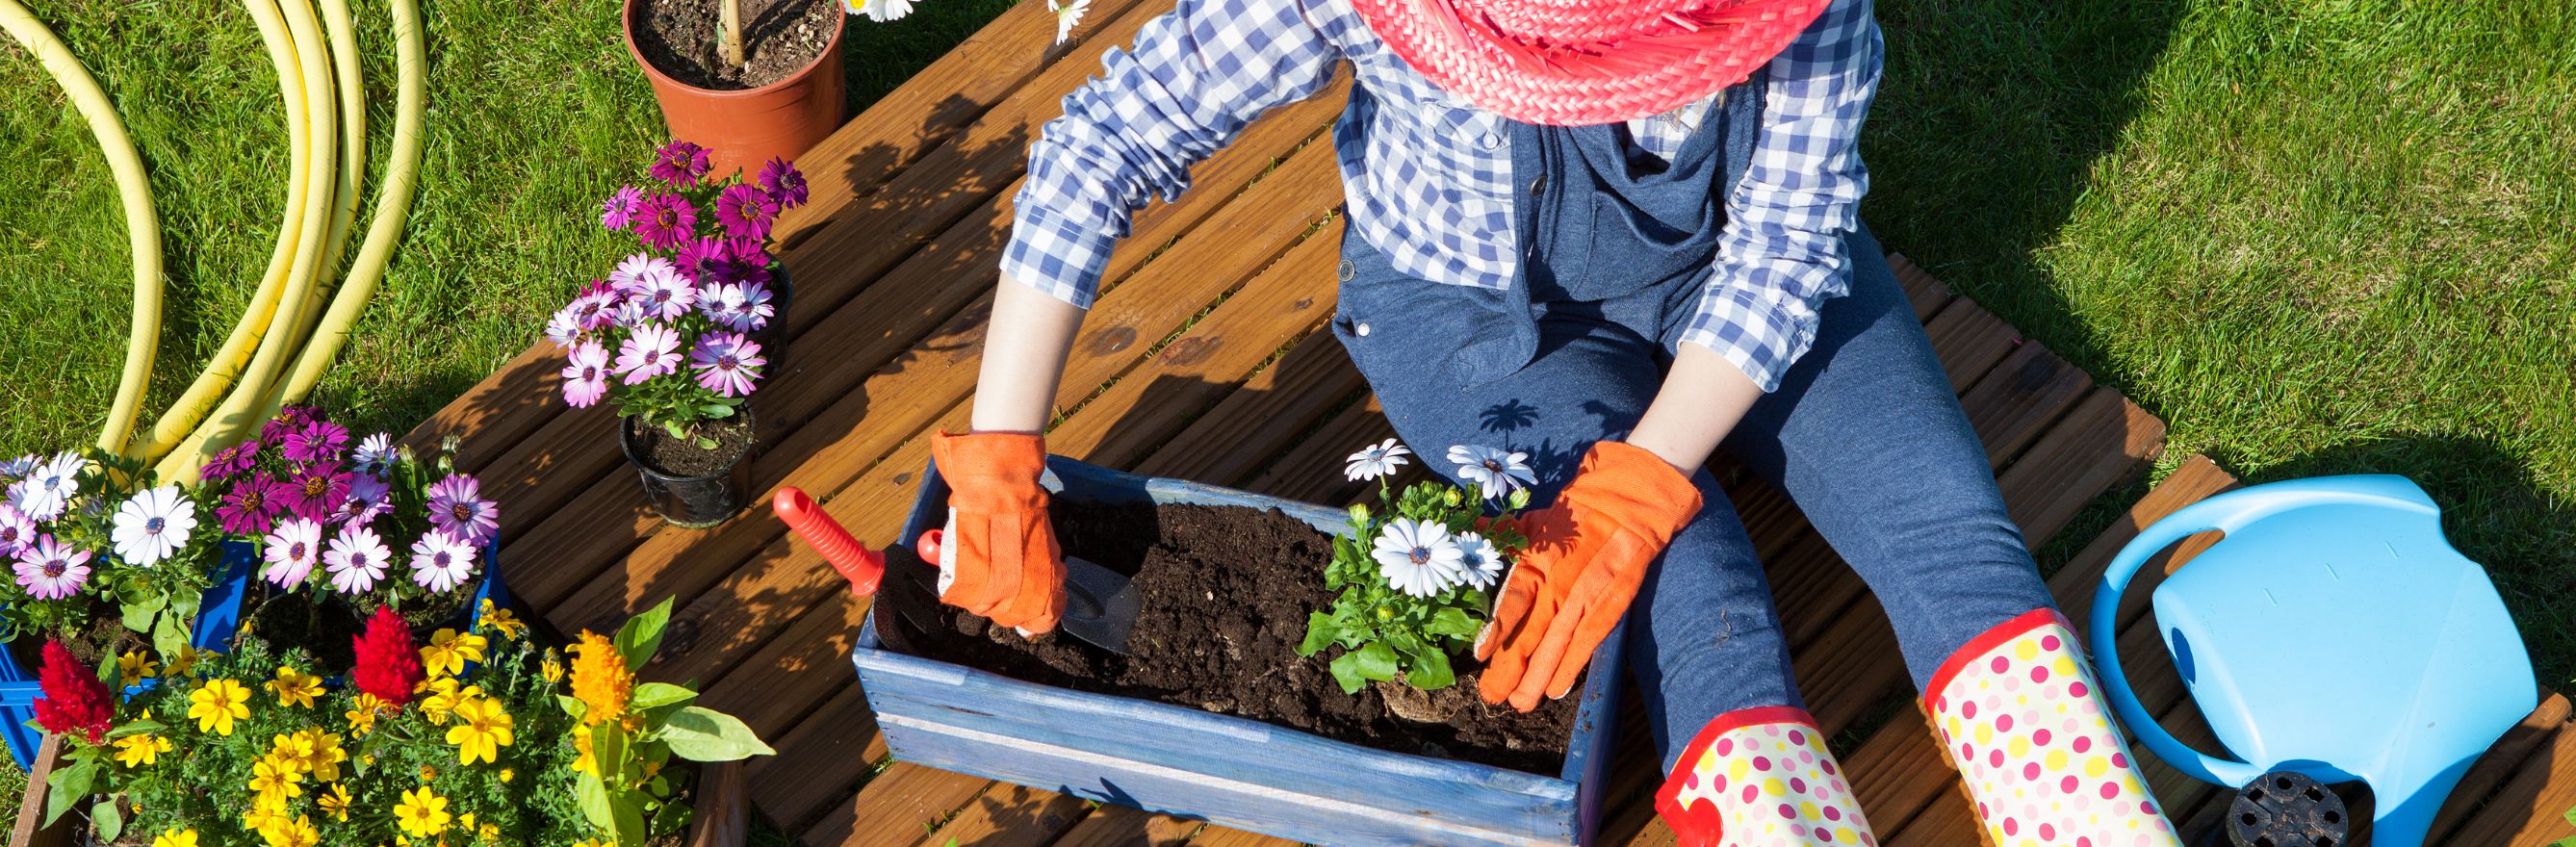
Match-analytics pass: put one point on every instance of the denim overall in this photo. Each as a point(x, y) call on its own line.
point(1863, 433)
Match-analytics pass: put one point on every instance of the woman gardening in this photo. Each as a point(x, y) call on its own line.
point(1615, 236)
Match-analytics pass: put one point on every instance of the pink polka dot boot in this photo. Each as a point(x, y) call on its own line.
point(1761, 778)
point(2021, 716)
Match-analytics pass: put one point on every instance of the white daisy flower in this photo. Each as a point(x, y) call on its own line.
point(1378, 461)
point(291, 550)
point(1420, 559)
point(356, 559)
point(881, 11)
point(1479, 562)
point(374, 456)
point(1068, 14)
point(48, 487)
point(1498, 472)
point(154, 525)
point(440, 561)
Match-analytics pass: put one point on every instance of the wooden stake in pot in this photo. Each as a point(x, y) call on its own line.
point(730, 38)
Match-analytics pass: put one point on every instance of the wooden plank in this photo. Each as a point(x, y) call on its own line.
point(1217, 836)
point(25, 832)
point(1927, 294)
point(841, 731)
point(2017, 400)
point(1120, 826)
point(1969, 340)
point(723, 806)
point(2513, 753)
point(895, 809)
point(2103, 440)
point(1255, 423)
point(1009, 815)
point(2528, 808)
point(1310, 471)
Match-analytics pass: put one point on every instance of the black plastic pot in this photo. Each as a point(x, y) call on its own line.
point(772, 337)
point(691, 502)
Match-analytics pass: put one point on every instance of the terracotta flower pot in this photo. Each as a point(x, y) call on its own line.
point(747, 127)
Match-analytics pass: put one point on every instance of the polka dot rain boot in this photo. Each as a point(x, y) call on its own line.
point(2019, 712)
point(1761, 778)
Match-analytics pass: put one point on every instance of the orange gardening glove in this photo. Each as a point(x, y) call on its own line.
point(998, 558)
point(1587, 554)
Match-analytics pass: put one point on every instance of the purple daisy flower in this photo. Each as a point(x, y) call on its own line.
point(666, 295)
point(702, 258)
point(784, 182)
point(564, 326)
point(231, 460)
point(665, 220)
point(368, 498)
point(618, 211)
point(251, 507)
point(591, 311)
point(441, 561)
point(52, 570)
point(318, 441)
point(680, 164)
point(585, 380)
point(291, 551)
point(315, 491)
point(16, 469)
point(375, 455)
point(17, 531)
point(726, 363)
point(456, 505)
point(653, 350)
point(746, 211)
point(739, 306)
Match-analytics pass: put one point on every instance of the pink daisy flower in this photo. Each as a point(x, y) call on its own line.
point(52, 570)
point(680, 164)
point(746, 211)
point(726, 363)
point(665, 220)
point(618, 211)
point(251, 507)
point(315, 491)
point(440, 561)
point(629, 275)
point(17, 531)
point(456, 505)
point(653, 350)
point(666, 295)
point(369, 497)
point(356, 558)
point(231, 460)
point(318, 441)
point(738, 306)
point(585, 379)
point(291, 551)
point(784, 182)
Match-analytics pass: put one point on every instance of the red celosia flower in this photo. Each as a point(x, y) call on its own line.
point(388, 665)
point(75, 702)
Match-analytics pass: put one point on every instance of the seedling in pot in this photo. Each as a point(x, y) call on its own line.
point(1414, 576)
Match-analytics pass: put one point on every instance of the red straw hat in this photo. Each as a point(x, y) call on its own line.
point(1578, 62)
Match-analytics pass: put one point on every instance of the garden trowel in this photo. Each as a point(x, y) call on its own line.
point(1100, 604)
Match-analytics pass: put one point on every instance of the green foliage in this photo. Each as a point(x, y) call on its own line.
point(157, 602)
point(624, 795)
point(1384, 633)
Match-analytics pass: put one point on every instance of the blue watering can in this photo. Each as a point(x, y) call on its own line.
point(2333, 633)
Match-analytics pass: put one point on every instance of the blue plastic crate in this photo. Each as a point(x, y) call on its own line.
point(1228, 770)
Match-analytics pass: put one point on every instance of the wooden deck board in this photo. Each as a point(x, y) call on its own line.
point(1204, 359)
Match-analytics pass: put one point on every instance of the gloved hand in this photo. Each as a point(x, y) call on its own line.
point(1587, 554)
point(999, 558)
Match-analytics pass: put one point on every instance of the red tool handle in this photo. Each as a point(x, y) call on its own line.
point(928, 547)
point(858, 564)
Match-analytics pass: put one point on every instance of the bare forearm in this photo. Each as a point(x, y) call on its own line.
point(1024, 352)
point(1702, 398)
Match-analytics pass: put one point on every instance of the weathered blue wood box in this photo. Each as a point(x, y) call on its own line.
point(1227, 770)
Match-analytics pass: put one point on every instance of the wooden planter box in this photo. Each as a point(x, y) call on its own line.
point(1228, 770)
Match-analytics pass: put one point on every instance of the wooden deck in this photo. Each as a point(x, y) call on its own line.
point(1202, 360)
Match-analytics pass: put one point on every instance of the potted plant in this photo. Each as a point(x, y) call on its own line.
point(1293, 669)
point(757, 79)
point(679, 342)
point(483, 738)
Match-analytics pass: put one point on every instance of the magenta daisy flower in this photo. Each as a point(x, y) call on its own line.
point(251, 507)
point(368, 498)
point(665, 220)
point(440, 561)
point(231, 460)
point(456, 505)
point(726, 363)
point(666, 295)
point(680, 164)
point(739, 306)
point(585, 379)
point(314, 491)
point(745, 211)
point(318, 441)
point(17, 531)
point(701, 257)
point(653, 350)
point(618, 211)
point(52, 570)
point(356, 558)
point(288, 420)
point(784, 183)
point(291, 551)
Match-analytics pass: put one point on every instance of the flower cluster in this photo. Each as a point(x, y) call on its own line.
point(1413, 580)
point(313, 499)
point(670, 338)
point(80, 531)
point(629, 731)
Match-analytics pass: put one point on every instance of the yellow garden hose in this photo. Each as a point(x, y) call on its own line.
point(209, 386)
point(142, 227)
point(393, 206)
point(243, 410)
point(353, 163)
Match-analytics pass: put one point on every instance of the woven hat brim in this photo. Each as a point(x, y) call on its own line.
point(1577, 84)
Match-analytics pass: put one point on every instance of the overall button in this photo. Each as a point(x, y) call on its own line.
point(1360, 330)
point(1538, 185)
point(1345, 271)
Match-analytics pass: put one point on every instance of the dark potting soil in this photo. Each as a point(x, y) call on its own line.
point(296, 621)
point(780, 37)
point(682, 457)
point(102, 636)
point(1224, 596)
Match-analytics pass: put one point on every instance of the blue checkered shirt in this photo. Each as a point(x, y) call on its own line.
point(1429, 180)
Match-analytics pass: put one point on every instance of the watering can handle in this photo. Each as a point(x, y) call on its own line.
point(2227, 512)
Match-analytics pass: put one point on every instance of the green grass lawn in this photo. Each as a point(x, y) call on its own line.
point(2317, 237)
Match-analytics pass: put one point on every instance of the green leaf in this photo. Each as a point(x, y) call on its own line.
point(699, 734)
point(642, 634)
point(139, 612)
point(66, 786)
point(1346, 670)
point(1320, 633)
point(714, 411)
point(1376, 661)
point(1454, 623)
point(1430, 670)
point(593, 795)
point(106, 821)
point(573, 706)
point(169, 634)
point(655, 700)
point(135, 727)
point(631, 831)
point(672, 818)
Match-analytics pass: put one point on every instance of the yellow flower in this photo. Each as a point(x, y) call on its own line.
point(217, 704)
point(299, 832)
point(428, 774)
point(600, 679)
point(500, 622)
point(275, 777)
point(141, 749)
point(334, 802)
point(264, 809)
point(132, 668)
point(552, 668)
point(185, 664)
point(176, 838)
point(295, 750)
point(489, 833)
point(448, 652)
point(508, 774)
point(326, 756)
point(362, 717)
point(422, 813)
point(581, 760)
point(296, 688)
point(481, 729)
point(441, 695)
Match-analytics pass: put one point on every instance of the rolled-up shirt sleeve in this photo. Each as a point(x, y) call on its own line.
point(1782, 255)
point(1194, 78)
